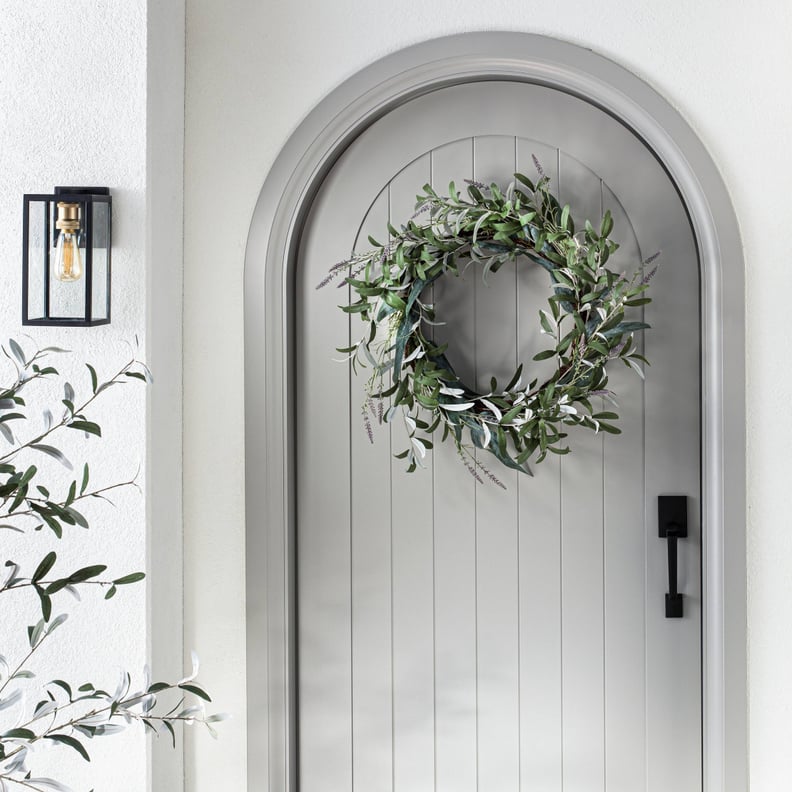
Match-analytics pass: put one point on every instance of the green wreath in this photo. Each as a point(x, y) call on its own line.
point(585, 320)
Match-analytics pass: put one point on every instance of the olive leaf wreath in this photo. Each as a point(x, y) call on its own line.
point(585, 320)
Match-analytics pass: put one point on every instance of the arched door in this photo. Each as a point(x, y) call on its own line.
point(452, 635)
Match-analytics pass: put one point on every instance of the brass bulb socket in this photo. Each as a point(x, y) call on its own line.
point(68, 217)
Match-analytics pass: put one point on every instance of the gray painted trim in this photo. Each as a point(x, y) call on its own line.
point(164, 256)
point(269, 263)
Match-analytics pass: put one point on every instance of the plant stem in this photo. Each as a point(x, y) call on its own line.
point(67, 419)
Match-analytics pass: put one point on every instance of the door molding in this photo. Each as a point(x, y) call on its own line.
point(271, 253)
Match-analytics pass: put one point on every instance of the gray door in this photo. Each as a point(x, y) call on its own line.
point(453, 636)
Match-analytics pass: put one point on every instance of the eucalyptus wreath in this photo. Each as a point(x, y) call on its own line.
point(584, 320)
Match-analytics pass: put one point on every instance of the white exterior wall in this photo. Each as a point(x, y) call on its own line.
point(254, 70)
point(73, 112)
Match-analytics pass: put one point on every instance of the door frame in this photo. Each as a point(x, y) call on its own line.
point(270, 258)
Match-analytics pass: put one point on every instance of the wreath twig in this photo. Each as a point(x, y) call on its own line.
point(585, 321)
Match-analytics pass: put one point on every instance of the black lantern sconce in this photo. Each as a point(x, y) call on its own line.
point(66, 257)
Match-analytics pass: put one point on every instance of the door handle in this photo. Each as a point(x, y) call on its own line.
point(672, 526)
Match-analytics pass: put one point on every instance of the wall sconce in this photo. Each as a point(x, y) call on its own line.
point(66, 257)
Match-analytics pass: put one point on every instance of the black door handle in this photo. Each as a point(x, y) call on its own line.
point(672, 525)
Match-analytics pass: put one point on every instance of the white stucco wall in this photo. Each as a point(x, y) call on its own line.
point(254, 70)
point(73, 111)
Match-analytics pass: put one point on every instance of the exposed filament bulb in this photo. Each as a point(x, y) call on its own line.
point(68, 262)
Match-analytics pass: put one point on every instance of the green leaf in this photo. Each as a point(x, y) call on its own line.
point(86, 573)
point(86, 426)
point(607, 224)
point(84, 484)
point(167, 725)
point(65, 686)
point(565, 218)
point(134, 577)
point(19, 734)
point(46, 603)
point(195, 690)
point(46, 564)
point(94, 380)
point(72, 742)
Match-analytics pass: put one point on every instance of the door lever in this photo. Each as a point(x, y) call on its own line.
point(672, 525)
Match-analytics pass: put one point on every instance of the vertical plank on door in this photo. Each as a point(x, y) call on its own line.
point(672, 467)
point(625, 549)
point(413, 585)
point(496, 513)
point(372, 721)
point(539, 538)
point(324, 629)
point(582, 558)
point(455, 526)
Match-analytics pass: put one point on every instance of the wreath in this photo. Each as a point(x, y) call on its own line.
point(585, 322)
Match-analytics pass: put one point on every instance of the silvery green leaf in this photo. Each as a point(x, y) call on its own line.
point(109, 728)
point(448, 391)
point(47, 420)
point(68, 392)
point(56, 622)
point(46, 709)
point(53, 452)
point(6, 431)
point(17, 350)
point(17, 763)
point(11, 576)
point(23, 674)
point(410, 423)
point(188, 712)
point(105, 386)
point(122, 687)
point(196, 664)
point(457, 407)
point(418, 352)
point(73, 591)
point(11, 700)
point(369, 356)
point(48, 783)
point(419, 447)
point(635, 367)
point(35, 634)
point(492, 408)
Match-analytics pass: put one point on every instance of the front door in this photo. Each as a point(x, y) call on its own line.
point(453, 636)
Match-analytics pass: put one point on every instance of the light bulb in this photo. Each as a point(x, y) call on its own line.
point(68, 262)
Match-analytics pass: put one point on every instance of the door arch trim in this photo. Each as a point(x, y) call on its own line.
point(278, 218)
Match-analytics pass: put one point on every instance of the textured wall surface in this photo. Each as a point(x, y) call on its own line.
point(73, 111)
point(255, 69)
